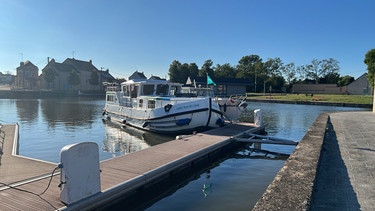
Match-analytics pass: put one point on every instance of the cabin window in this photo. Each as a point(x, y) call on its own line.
point(140, 103)
point(126, 91)
point(162, 89)
point(221, 89)
point(133, 91)
point(111, 98)
point(148, 89)
point(151, 104)
point(174, 90)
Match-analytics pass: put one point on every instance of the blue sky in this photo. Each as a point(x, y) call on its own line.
point(147, 36)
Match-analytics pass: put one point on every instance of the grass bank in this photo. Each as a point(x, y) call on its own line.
point(328, 98)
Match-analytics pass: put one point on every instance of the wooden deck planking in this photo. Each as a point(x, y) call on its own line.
point(12, 168)
point(135, 168)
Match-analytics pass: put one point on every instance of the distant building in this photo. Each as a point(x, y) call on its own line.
point(6, 78)
point(27, 76)
point(73, 74)
point(137, 75)
point(224, 86)
point(318, 89)
point(360, 86)
point(154, 77)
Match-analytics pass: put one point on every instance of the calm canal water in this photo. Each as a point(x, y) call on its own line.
point(236, 183)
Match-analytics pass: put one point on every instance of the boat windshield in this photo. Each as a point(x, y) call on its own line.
point(199, 92)
point(162, 89)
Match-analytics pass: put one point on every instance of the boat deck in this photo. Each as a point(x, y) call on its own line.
point(119, 176)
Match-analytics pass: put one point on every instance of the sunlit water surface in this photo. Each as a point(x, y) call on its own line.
point(47, 125)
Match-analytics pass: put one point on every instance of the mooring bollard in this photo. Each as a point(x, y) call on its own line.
point(80, 171)
point(258, 117)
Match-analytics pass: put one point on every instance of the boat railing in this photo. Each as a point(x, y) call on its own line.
point(238, 97)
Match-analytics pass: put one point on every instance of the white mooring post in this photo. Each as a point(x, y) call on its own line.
point(258, 117)
point(80, 172)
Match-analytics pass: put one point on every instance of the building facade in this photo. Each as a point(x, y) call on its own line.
point(360, 86)
point(27, 76)
point(73, 75)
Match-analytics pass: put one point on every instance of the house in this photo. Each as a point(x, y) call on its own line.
point(73, 74)
point(318, 89)
point(360, 86)
point(224, 86)
point(137, 75)
point(6, 78)
point(27, 76)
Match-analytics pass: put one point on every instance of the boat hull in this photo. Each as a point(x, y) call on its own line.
point(172, 116)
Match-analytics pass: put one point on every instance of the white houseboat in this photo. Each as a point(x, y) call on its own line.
point(161, 107)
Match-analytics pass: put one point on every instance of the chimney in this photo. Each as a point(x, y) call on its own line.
point(21, 64)
point(47, 59)
point(90, 61)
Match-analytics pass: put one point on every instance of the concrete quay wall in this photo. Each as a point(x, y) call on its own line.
point(293, 186)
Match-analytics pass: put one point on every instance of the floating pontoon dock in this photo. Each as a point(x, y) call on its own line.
point(24, 179)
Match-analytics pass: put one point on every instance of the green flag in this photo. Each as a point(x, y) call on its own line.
point(210, 81)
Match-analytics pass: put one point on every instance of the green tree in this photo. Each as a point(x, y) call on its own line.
point(289, 72)
point(273, 67)
point(321, 70)
point(225, 71)
point(94, 78)
point(250, 67)
point(74, 79)
point(193, 70)
point(345, 80)
point(207, 68)
point(313, 70)
point(174, 72)
point(184, 72)
point(370, 62)
point(49, 75)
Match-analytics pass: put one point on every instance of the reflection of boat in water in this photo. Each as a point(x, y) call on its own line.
point(161, 107)
point(121, 140)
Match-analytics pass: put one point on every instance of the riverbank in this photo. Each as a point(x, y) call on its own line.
point(38, 94)
point(332, 168)
point(304, 102)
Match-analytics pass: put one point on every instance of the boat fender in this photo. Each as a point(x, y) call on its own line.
point(123, 121)
point(185, 121)
point(220, 122)
point(145, 124)
point(167, 107)
point(225, 107)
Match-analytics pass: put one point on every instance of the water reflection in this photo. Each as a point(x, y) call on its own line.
point(121, 140)
point(27, 110)
point(68, 112)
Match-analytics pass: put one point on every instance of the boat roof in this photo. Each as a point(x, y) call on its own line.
point(148, 81)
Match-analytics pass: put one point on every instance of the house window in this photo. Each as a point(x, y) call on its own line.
point(221, 89)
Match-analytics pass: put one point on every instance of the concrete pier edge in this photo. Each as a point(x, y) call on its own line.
point(293, 186)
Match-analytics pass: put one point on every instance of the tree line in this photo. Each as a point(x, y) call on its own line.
point(265, 74)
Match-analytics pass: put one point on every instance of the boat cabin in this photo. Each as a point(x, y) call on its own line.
point(158, 88)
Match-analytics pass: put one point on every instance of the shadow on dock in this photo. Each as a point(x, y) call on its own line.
point(333, 190)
